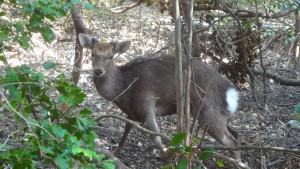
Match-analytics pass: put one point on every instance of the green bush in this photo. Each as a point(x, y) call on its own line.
point(50, 128)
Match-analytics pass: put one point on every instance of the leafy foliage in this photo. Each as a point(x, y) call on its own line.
point(187, 152)
point(48, 127)
point(35, 18)
point(51, 128)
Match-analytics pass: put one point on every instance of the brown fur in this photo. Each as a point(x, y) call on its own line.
point(152, 90)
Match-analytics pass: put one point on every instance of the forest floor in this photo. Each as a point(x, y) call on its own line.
point(149, 32)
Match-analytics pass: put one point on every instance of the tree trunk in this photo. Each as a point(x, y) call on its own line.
point(297, 45)
point(178, 68)
point(79, 28)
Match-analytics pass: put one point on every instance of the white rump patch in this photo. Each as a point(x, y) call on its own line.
point(232, 98)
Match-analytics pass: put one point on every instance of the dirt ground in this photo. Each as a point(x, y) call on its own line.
point(150, 31)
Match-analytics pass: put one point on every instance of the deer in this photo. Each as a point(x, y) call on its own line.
point(144, 88)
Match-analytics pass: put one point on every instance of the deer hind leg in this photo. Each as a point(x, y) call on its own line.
point(224, 134)
point(151, 124)
point(121, 145)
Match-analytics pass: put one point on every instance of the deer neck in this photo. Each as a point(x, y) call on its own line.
point(111, 84)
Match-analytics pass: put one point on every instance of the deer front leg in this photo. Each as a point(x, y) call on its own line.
point(121, 145)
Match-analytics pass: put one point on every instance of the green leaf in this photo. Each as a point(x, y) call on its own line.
point(47, 150)
point(198, 167)
point(28, 109)
point(3, 59)
point(182, 164)
point(187, 148)
point(14, 93)
point(3, 35)
point(88, 153)
point(167, 166)
point(59, 131)
point(108, 165)
point(220, 163)
point(61, 162)
point(85, 112)
point(48, 65)
point(100, 157)
point(47, 34)
point(89, 6)
point(297, 108)
point(12, 76)
point(25, 42)
point(177, 139)
point(76, 150)
point(206, 154)
point(2, 13)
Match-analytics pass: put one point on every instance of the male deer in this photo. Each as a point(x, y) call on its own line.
point(145, 88)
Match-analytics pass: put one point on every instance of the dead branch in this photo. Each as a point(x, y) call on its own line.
point(243, 55)
point(279, 79)
point(231, 160)
point(134, 124)
point(280, 149)
point(122, 9)
point(108, 154)
point(242, 13)
point(268, 44)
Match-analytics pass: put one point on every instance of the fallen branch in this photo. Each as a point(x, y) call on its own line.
point(242, 13)
point(139, 127)
point(108, 154)
point(281, 149)
point(122, 9)
point(279, 79)
point(134, 124)
point(239, 163)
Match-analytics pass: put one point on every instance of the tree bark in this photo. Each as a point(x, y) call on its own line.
point(79, 28)
point(297, 45)
point(178, 68)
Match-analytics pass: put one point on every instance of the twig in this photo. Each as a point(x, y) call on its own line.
point(22, 117)
point(6, 140)
point(135, 79)
point(275, 162)
point(280, 149)
point(122, 9)
point(243, 54)
point(134, 124)
point(239, 163)
point(108, 154)
point(203, 136)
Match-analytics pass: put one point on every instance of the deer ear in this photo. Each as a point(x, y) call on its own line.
point(122, 47)
point(85, 41)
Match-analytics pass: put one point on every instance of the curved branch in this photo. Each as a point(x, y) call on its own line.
point(243, 54)
point(278, 79)
point(239, 163)
point(134, 124)
point(242, 13)
point(108, 154)
point(122, 9)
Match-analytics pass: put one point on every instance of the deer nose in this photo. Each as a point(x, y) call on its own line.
point(98, 72)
